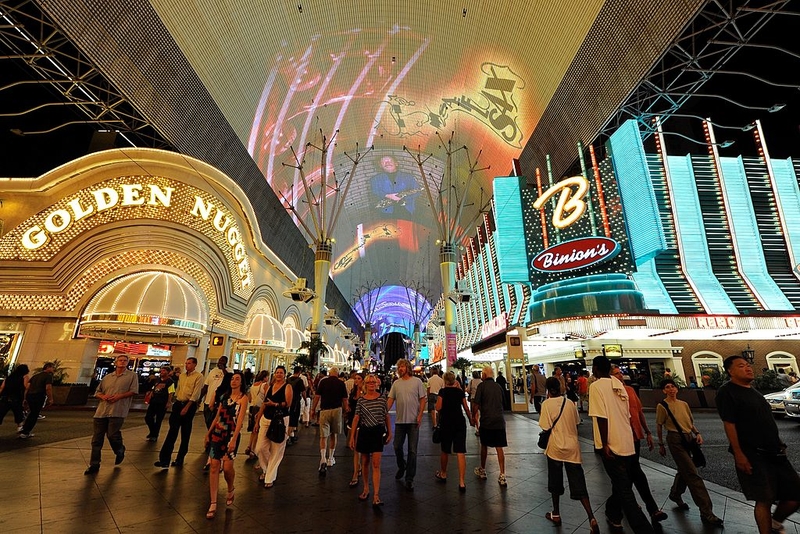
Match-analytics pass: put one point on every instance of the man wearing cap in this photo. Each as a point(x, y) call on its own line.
point(115, 392)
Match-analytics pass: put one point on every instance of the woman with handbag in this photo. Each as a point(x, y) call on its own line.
point(370, 432)
point(222, 439)
point(676, 417)
point(355, 393)
point(560, 418)
point(277, 401)
point(452, 428)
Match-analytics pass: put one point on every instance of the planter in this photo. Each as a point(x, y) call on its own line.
point(72, 395)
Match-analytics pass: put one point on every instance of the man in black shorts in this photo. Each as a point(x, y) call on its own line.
point(488, 404)
point(764, 471)
point(298, 383)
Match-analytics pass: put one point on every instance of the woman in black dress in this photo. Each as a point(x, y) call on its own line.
point(371, 430)
point(223, 436)
point(453, 427)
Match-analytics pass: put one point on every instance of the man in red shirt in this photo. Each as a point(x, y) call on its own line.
point(640, 430)
point(583, 390)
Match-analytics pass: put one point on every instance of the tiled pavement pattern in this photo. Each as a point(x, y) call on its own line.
point(45, 491)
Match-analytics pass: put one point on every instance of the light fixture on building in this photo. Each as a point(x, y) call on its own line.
point(749, 354)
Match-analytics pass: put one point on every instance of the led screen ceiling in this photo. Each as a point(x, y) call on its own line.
point(386, 76)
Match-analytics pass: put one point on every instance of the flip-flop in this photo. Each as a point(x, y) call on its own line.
point(364, 496)
point(354, 483)
point(377, 502)
point(555, 518)
point(439, 477)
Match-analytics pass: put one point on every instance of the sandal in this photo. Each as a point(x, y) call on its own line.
point(377, 502)
point(555, 518)
point(212, 511)
point(364, 496)
point(231, 497)
point(439, 477)
point(354, 483)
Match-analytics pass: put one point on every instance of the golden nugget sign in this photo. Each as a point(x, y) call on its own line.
point(136, 196)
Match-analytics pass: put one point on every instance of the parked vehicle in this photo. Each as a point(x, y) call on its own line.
point(785, 402)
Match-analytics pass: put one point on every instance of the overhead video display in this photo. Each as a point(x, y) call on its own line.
point(388, 76)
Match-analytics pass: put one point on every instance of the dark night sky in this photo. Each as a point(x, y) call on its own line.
point(35, 154)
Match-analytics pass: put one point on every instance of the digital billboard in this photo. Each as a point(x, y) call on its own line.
point(388, 75)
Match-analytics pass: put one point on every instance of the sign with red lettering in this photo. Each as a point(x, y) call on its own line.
point(575, 254)
point(496, 325)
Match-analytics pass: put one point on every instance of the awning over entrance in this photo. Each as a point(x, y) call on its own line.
point(146, 306)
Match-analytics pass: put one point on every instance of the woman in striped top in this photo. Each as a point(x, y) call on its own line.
point(371, 430)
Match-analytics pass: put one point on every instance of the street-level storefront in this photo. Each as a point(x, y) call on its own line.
point(139, 246)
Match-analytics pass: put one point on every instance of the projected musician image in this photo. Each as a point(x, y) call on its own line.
point(394, 192)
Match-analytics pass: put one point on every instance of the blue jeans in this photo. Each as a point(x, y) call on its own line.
point(622, 500)
point(401, 430)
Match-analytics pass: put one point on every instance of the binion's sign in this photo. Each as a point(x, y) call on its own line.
point(571, 225)
point(575, 254)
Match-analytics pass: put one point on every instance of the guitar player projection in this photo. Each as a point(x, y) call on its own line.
point(394, 192)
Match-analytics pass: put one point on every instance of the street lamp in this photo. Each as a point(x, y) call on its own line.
point(749, 354)
point(214, 321)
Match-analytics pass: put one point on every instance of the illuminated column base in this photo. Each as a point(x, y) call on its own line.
point(447, 267)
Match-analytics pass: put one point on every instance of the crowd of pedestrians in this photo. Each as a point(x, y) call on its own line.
point(278, 406)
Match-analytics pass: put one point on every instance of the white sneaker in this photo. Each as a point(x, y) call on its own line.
point(41, 417)
point(331, 462)
point(26, 436)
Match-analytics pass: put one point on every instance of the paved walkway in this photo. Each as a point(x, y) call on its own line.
point(46, 491)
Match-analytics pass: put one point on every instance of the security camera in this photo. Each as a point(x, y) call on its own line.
point(299, 292)
point(457, 297)
point(331, 319)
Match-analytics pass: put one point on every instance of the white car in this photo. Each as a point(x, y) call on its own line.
point(777, 401)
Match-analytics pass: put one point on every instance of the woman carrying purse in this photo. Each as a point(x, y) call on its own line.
point(276, 403)
point(563, 452)
point(674, 412)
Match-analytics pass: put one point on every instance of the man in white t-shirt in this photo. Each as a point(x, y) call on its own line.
point(409, 396)
point(608, 407)
point(435, 383)
point(213, 380)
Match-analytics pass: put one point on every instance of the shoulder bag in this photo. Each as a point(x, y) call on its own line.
point(276, 432)
point(544, 435)
point(691, 446)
